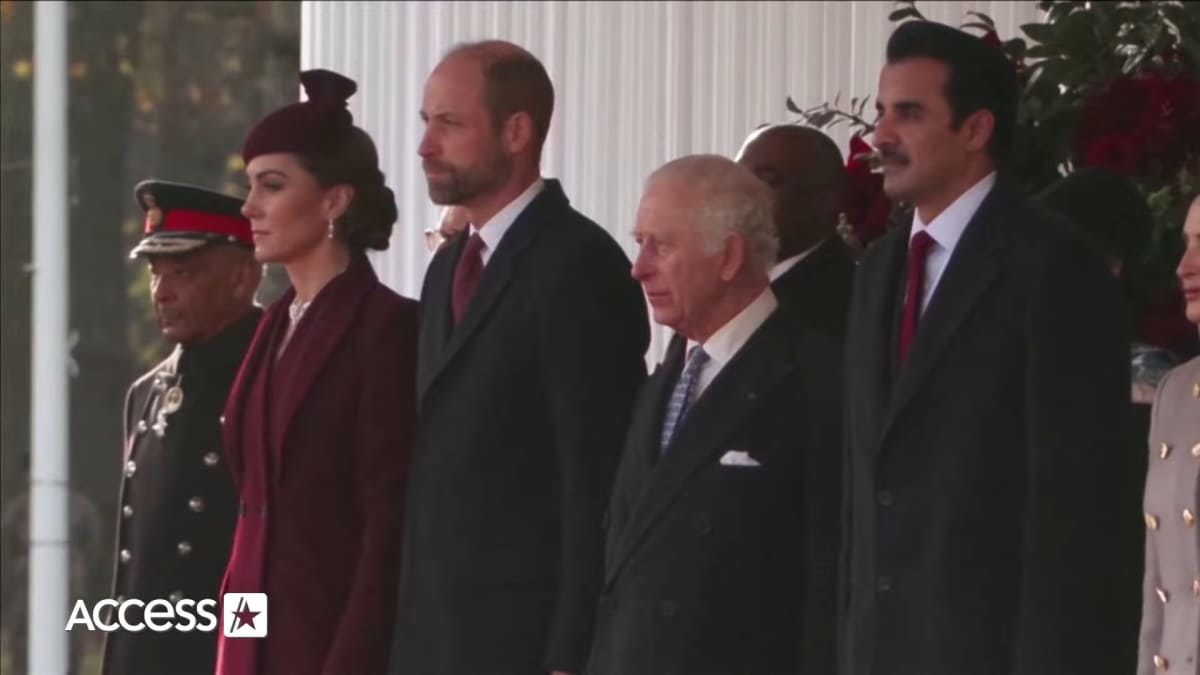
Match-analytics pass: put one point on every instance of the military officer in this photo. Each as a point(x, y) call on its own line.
point(177, 505)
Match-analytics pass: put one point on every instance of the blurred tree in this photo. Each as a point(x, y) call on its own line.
point(157, 90)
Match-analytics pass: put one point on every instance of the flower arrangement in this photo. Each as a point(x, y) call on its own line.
point(1111, 84)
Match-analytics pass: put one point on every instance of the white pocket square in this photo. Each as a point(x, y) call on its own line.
point(738, 458)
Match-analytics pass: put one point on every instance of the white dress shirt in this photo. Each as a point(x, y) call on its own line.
point(946, 229)
point(725, 343)
point(494, 230)
point(783, 266)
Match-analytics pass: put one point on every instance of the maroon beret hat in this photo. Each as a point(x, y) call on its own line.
point(315, 127)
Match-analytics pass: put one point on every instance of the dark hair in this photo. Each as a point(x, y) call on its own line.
point(980, 78)
point(1105, 205)
point(368, 220)
point(514, 81)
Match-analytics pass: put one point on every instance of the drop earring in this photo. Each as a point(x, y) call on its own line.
point(331, 228)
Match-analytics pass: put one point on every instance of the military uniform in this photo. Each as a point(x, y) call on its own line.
point(178, 504)
point(1170, 635)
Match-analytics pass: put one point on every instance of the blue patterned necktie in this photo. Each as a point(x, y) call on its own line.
point(682, 396)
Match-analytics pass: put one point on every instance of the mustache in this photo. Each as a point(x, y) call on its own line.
point(892, 154)
point(431, 165)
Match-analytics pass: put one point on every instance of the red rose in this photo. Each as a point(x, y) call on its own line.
point(1118, 152)
point(866, 206)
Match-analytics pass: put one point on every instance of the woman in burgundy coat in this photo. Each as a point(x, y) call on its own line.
point(318, 422)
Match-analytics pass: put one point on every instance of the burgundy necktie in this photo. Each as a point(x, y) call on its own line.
point(466, 276)
point(918, 251)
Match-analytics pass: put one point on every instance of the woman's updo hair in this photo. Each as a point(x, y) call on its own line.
point(321, 133)
point(368, 220)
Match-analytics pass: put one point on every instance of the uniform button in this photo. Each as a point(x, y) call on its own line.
point(196, 504)
point(883, 583)
point(184, 548)
point(130, 468)
point(1151, 521)
point(127, 511)
point(1163, 596)
point(222, 420)
point(1160, 662)
point(668, 609)
point(176, 596)
point(703, 524)
point(141, 426)
point(211, 459)
point(1164, 450)
point(885, 498)
point(1189, 517)
point(126, 556)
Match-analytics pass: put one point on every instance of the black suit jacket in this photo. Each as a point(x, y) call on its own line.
point(714, 568)
point(816, 291)
point(522, 408)
point(989, 528)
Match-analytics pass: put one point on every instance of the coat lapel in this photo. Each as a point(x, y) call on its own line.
point(642, 445)
point(721, 410)
point(497, 275)
point(327, 325)
point(972, 269)
point(878, 282)
point(235, 405)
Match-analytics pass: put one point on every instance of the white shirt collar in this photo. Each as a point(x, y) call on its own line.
point(722, 345)
point(784, 266)
point(494, 229)
point(948, 227)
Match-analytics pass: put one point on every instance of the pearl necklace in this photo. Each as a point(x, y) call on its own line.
point(297, 309)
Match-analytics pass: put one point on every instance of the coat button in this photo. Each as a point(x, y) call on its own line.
point(1189, 517)
point(885, 498)
point(127, 511)
point(176, 596)
point(222, 420)
point(196, 504)
point(184, 548)
point(702, 524)
point(883, 583)
point(130, 468)
point(668, 609)
point(126, 556)
point(1164, 450)
point(1163, 596)
point(1151, 521)
point(141, 426)
point(211, 459)
point(1196, 450)
point(1160, 662)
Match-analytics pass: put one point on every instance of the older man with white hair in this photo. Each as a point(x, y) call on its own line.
point(723, 526)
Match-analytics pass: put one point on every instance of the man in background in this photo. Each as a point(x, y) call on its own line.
point(815, 268)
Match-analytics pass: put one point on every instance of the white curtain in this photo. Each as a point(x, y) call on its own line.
point(636, 84)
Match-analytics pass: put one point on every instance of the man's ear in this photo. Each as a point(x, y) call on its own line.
point(979, 126)
point(733, 257)
point(518, 133)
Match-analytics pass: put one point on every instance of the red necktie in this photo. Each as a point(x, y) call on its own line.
point(918, 251)
point(466, 276)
